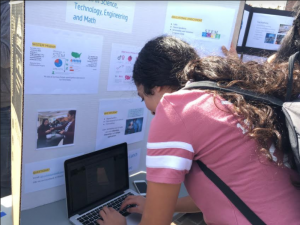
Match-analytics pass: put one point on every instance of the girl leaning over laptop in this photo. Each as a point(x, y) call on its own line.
point(241, 141)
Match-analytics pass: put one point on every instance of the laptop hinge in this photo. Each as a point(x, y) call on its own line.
point(100, 202)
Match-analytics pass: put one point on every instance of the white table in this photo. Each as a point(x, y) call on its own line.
point(6, 207)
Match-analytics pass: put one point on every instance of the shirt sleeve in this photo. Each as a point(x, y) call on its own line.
point(169, 149)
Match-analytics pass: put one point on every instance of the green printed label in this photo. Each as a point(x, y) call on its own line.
point(76, 55)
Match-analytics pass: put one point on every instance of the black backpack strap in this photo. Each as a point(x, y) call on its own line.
point(235, 200)
point(249, 95)
point(289, 86)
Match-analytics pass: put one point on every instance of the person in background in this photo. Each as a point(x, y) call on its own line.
point(241, 141)
point(5, 118)
point(68, 129)
point(42, 131)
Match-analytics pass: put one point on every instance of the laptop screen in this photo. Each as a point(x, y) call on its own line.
point(92, 178)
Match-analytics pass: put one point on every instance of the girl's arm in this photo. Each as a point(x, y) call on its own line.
point(160, 203)
point(186, 205)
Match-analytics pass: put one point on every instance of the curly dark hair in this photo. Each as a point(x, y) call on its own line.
point(290, 44)
point(162, 63)
point(264, 122)
point(296, 8)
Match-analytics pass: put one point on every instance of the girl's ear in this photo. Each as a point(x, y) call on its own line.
point(157, 89)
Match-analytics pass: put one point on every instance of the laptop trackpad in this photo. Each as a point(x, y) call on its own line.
point(134, 219)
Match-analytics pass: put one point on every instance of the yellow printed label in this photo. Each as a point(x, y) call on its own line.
point(41, 171)
point(43, 45)
point(110, 113)
point(186, 18)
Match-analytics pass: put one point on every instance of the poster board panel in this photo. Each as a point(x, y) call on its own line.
point(144, 27)
point(17, 43)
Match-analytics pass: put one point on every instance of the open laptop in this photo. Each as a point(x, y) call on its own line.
point(97, 179)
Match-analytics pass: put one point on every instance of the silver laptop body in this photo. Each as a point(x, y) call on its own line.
point(97, 179)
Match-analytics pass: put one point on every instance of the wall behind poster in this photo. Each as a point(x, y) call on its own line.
point(58, 93)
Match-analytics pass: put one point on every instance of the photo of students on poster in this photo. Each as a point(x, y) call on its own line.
point(134, 125)
point(55, 128)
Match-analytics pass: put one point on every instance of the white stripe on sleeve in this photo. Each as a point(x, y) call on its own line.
point(171, 144)
point(168, 161)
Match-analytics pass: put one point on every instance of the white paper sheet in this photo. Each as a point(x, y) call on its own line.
point(61, 61)
point(45, 174)
point(205, 27)
point(134, 159)
point(122, 60)
point(267, 31)
point(116, 16)
point(121, 120)
point(243, 27)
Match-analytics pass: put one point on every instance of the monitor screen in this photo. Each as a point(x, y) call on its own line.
point(94, 177)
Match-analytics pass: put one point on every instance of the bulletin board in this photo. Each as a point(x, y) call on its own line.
point(78, 61)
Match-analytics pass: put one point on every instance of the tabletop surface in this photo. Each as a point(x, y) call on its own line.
point(6, 203)
point(56, 212)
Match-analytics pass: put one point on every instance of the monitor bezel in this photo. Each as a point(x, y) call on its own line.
point(83, 157)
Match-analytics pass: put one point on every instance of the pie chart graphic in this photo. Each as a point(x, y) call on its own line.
point(58, 63)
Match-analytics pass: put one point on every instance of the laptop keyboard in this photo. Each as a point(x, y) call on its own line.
point(92, 217)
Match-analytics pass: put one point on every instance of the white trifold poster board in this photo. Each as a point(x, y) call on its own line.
point(78, 63)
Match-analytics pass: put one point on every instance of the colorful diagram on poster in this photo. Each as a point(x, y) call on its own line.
point(61, 62)
point(122, 60)
point(120, 120)
point(197, 23)
point(58, 63)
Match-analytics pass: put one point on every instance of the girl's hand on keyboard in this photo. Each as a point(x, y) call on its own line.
point(111, 217)
point(139, 201)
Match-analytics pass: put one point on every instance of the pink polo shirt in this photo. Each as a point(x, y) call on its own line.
point(188, 126)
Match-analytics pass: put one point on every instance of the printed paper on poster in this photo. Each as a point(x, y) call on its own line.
point(45, 174)
point(55, 128)
point(201, 25)
point(120, 120)
point(122, 61)
point(267, 31)
point(61, 61)
point(109, 15)
point(133, 160)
